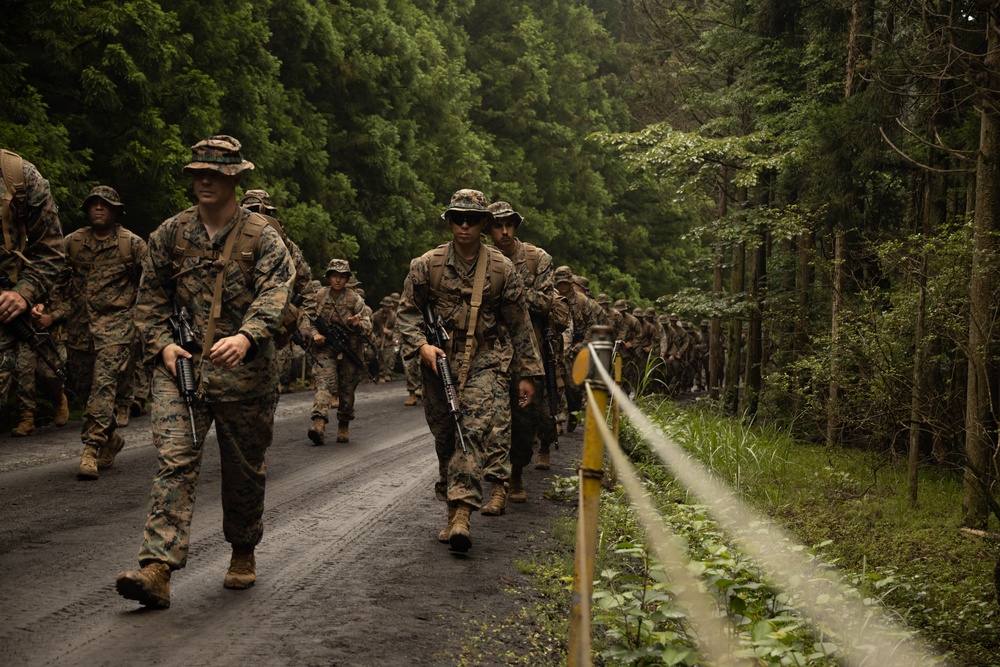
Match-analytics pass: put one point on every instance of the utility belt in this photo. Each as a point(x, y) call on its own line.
point(484, 341)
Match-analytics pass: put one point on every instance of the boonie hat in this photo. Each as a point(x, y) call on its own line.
point(395, 297)
point(563, 274)
point(603, 299)
point(502, 209)
point(637, 311)
point(651, 312)
point(218, 153)
point(673, 317)
point(705, 323)
point(339, 266)
point(621, 304)
point(386, 301)
point(468, 201)
point(258, 198)
point(108, 194)
point(582, 281)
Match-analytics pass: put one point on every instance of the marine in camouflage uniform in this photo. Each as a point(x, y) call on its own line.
point(583, 318)
point(628, 334)
point(103, 265)
point(336, 306)
point(31, 231)
point(500, 345)
point(235, 367)
point(534, 268)
point(411, 366)
point(33, 373)
point(677, 346)
point(383, 326)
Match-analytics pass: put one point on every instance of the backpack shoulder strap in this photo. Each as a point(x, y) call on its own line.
point(496, 273)
point(125, 245)
point(74, 242)
point(438, 257)
point(248, 245)
point(15, 197)
point(182, 247)
point(531, 255)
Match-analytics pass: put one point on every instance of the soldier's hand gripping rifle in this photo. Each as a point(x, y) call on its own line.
point(299, 339)
point(340, 341)
point(437, 336)
point(39, 341)
point(549, 364)
point(180, 328)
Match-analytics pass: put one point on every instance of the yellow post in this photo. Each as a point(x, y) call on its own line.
point(591, 471)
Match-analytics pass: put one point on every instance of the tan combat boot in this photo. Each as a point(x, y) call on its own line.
point(334, 402)
point(411, 399)
point(242, 571)
point(445, 533)
point(342, 433)
point(25, 427)
point(150, 586)
point(62, 412)
point(498, 500)
point(517, 493)
point(106, 457)
point(318, 431)
point(542, 462)
point(460, 538)
point(121, 416)
point(88, 463)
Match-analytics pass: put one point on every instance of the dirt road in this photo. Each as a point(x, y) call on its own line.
point(349, 571)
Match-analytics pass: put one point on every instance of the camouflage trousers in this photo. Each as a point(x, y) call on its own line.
point(244, 430)
point(340, 376)
point(33, 373)
point(136, 387)
point(485, 404)
point(8, 367)
point(414, 380)
point(108, 370)
point(386, 360)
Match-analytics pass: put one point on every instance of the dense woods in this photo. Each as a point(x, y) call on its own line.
point(820, 178)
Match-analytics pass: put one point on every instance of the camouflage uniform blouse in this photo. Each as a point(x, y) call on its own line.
point(104, 295)
point(508, 318)
point(336, 309)
point(43, 245)
point(254, 309)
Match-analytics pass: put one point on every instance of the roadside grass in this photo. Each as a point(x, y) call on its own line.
point(852, 505)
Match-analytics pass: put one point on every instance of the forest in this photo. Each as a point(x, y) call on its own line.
point(819, 178)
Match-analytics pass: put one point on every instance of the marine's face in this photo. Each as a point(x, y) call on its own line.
point(214, 188)
point(503, 231)
point(466, 227)
point(101, 213)
point(565, 288)
point(338, 281)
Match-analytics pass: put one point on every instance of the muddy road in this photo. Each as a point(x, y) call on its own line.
point(349, 571)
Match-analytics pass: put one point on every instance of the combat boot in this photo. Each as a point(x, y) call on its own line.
point(460, 538)
point(342, 434)
point(498, 500)
point(150, 586)
point(121, 416)
point(318, 431)
point(445, 534)
point(542, 462)
point(411, 400)
point(334, 402)
point(242, 571)
point(88, 463)
point(62, 412)
point(110, 449)
point(517, 493)
point(25, 427)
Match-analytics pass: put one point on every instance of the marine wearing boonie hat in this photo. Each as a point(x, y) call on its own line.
point(218, 153)
point(582, 281)
point(395, 297)
point(603, 299)
point(673, 317)
point(637, 312)
point(651, 312)
point(386, 301)
point(108, 194)
point(621, 304)
point(259, 198)
point(338, 266)
point(563, 274)
point(468, 201)
point(502, 209)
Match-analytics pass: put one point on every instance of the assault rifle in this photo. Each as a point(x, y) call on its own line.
point(40, 342)
point(180, 328)
point(297, 336)
point(549, 363)
point(340, 341)
point(437, 335)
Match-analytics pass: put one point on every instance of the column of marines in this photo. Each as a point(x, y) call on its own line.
point(114, 312)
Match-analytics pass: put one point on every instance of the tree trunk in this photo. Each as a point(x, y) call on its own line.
point(917, 392)
point(833, 404)
point(731, 392)
point(980, 423)
point(715, 335)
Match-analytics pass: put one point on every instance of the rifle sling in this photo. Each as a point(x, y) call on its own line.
point(216, 311)
point(471, 343)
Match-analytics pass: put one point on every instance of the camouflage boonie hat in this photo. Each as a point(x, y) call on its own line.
point(338, 266)
point(218, 153)
point(651, 312)
point(108, 194)
point(582, 281)
point(258, 198)
point(468, 201)
point(705, 323)
point(673, 317)
point(621, 304)
point(502, 209)
point(386, 301)
point(563, 274)
point(603, 299)
point(395, 297)
point(353, 281)
point(637, 312)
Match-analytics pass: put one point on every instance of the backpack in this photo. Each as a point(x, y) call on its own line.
point(75, 240)
point(14, 205)
point(440, 254)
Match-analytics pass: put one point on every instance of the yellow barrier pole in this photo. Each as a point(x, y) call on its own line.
point(590, 473)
